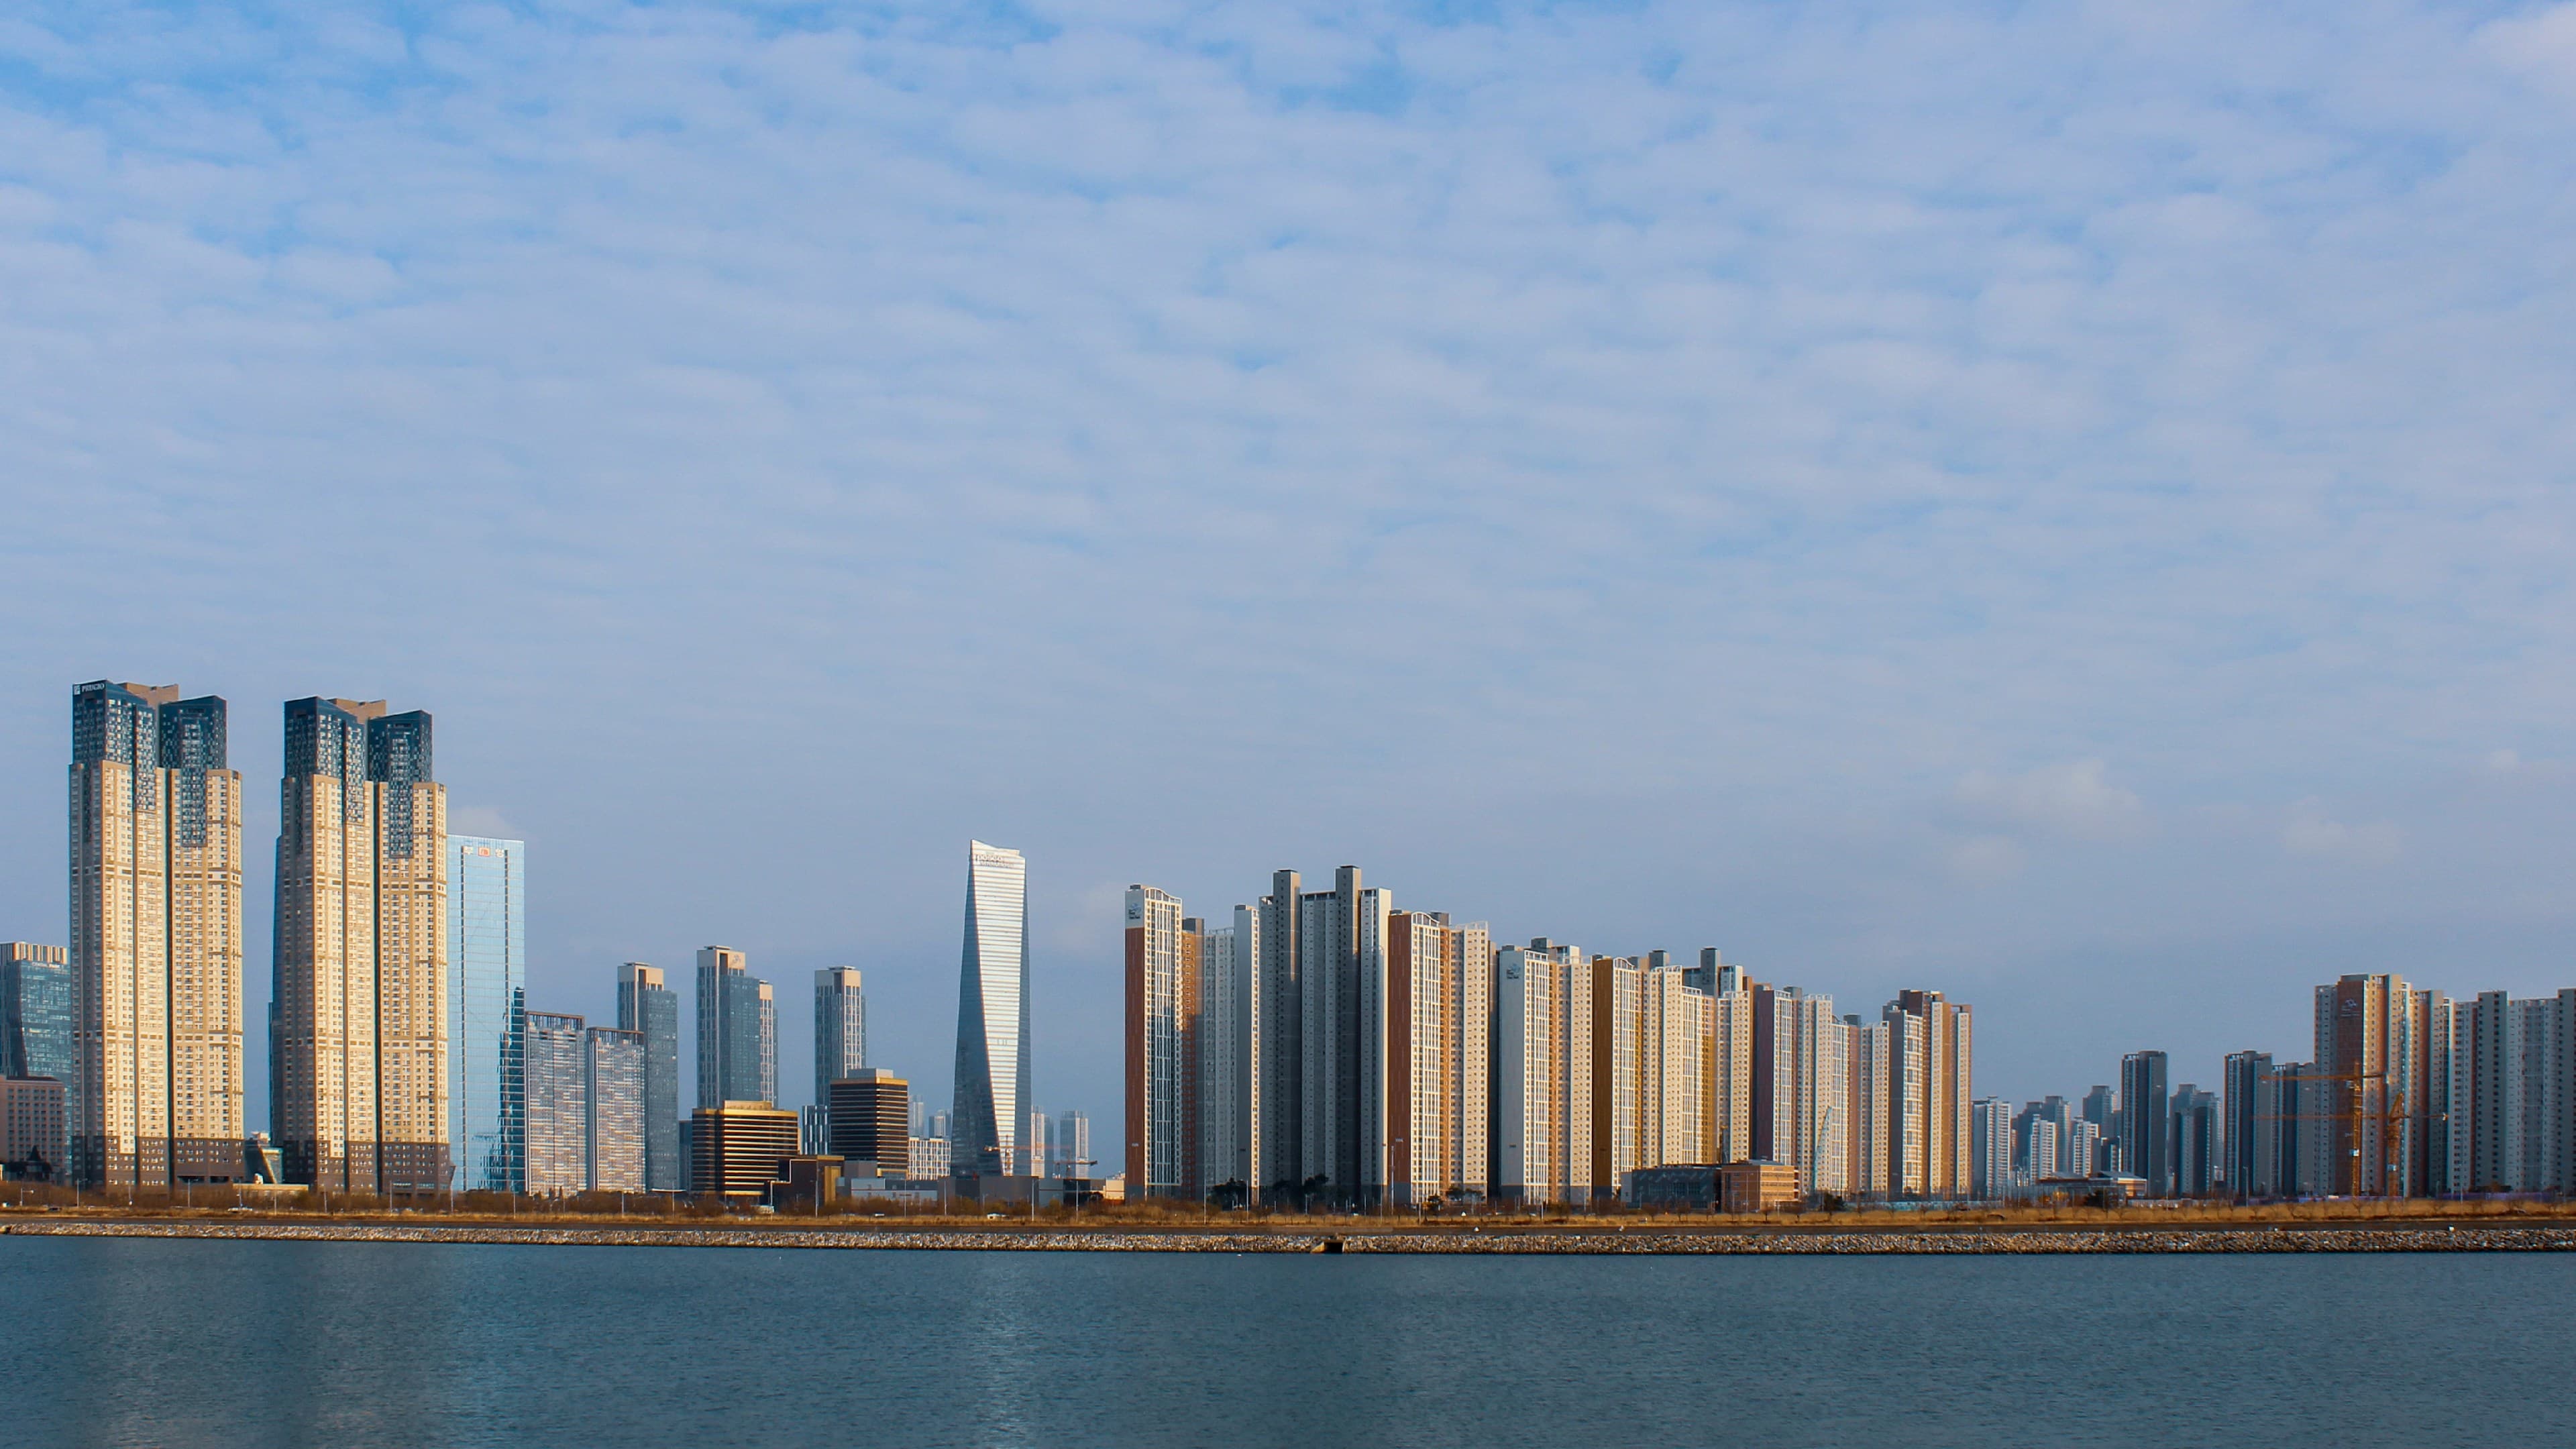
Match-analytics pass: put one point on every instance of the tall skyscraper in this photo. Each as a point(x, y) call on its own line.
point(1073, 1146)
point(992, 1082)
point(1673, 1030)
point(558, 1105)
point(1932, 1042)
point(1874, 1135)
point(1801, 1086)
point(36, 1014)
point(2146, 1121)
point(2195, 1133)
point(1617, 1070)
point(2253, 1128)
point(1328, 970)
point(652, 1010)
point(487, 935)
point(155, 960)
point(614, 1125)
point(1229, 1055)
point(737, 1031)
point(361, 1021)
point(1279, 1144)
point(1162, 1153)
point(1989, 1147)
point(840, 1029)
point(1421, 1077)
point(1037, 1145)
point(2366, 1050)
point(1731, 1058)
point(1525, 1094)
point(1471, 1125)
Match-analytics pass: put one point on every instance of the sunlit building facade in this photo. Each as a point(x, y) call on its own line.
point(992, 1071)
point(558, 1105)
point(613, 1127)
point(1161, 963)
point(154, 1095)
point(650, 1009)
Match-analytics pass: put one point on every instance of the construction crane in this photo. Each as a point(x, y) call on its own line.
point(2392, 1116)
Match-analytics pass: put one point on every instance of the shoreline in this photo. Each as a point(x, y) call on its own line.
point(2042, 1241)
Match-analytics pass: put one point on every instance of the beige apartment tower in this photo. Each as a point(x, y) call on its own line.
point(359, 1039)
point(1421, 1067)
point(155, 955)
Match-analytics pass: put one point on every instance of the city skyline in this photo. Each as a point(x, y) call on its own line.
point(391, 931)
point(416, 728)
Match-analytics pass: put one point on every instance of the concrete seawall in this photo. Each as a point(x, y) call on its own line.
point(1068, 1240)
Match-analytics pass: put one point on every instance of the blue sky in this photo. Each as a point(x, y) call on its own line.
point(2065, 504)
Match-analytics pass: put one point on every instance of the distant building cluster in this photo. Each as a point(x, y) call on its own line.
point(2405, 1093)
point(1327, 1047)
point(404, 1056)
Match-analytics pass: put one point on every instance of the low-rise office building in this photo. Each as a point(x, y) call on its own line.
point(737, 1149)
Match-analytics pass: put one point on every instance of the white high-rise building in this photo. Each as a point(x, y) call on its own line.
point(1674, 1031)
point(558, 1105)
point(1471, 1066)
point(1872, 1132)
point(1525, 1002)
point(992, 1086)
point(1160, 971)
point(614, 1130)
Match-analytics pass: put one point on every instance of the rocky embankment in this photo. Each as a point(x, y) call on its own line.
point(2408, 1239)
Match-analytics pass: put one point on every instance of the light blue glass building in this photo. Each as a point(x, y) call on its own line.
point(35, 1012)
point(487, 934)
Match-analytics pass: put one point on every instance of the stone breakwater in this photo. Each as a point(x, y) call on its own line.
point(1067, 1240)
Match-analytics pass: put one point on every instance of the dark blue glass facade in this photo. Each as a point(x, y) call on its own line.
point(398, 754)
point(35, 1012)
point(324, 739)
point(111, 723)
point(192, 743)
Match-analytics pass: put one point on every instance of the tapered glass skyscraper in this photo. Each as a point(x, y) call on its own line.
point(992, 1014)
point(487, 902)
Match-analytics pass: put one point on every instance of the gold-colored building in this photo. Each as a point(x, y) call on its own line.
point(155, 953)
point(360, 1033)
point(737, 1149)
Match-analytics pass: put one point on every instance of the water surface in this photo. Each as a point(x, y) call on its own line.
point(179, 1343)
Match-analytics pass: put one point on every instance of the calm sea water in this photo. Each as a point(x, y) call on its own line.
point(188, 1343)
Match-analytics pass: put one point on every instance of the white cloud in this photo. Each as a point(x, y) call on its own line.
point(2310, 832)
point(2073, 799)
point(2540, 45)
point(482, 820)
